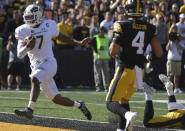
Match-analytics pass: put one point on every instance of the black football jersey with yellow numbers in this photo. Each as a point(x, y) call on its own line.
point(133, 37)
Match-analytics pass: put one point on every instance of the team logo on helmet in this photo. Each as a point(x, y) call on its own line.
point(34, 9)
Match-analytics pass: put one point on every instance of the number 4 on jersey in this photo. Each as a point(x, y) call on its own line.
point(138, 41)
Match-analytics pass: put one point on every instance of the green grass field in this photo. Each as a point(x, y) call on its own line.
point(10, 100)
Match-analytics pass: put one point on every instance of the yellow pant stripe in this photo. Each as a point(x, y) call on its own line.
point(121, 86)
point(113, 80)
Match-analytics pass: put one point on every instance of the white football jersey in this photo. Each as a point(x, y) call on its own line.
point(43, 34)
point(181, 29)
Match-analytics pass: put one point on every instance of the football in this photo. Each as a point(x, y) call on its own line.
point(29, 41)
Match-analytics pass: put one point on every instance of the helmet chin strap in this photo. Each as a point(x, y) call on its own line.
point(34, 25)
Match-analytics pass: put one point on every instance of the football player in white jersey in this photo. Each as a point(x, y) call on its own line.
point(35, 39)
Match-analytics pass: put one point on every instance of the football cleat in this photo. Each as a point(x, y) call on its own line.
point(164, 79)
point(148, 89)
point(27, 113)
point(98, 90)
point(85, 111)
point(131, 117)
point(178, 90)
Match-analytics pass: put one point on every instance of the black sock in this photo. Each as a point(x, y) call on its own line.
point(126, 106)
point(172, 98)
point(122, 120)
point(116, 108)
point(148, 113)
point(30, 109)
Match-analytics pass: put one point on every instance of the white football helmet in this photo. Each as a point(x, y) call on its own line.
point(33, 15)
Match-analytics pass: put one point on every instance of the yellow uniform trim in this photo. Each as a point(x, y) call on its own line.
point(111, 84)
point(168, 117)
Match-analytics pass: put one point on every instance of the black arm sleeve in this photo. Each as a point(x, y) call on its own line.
point(116, 37)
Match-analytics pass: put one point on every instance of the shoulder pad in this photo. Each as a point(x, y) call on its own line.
point(117, 27)
point(20, 32)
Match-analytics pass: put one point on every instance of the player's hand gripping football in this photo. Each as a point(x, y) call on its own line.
point(29, 42)
point(85, 41)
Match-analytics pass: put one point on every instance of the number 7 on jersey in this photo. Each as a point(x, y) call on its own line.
point(41, 40)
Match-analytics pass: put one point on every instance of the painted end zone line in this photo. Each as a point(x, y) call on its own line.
point(64, 123)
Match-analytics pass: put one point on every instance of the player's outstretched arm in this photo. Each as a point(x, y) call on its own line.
point(70, 41)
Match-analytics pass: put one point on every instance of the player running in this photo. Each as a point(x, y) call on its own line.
point(35, 39)
point(133, 37)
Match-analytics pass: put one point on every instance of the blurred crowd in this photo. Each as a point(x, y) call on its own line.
point(83, 18)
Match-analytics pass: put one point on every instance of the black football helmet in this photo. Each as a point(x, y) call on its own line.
point(134, 8)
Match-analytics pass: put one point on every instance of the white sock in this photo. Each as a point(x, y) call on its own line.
point(119, 130)
point(31, 104)
point(77, 104)
point(170, 92)
point(148, 96)
point(126, 114)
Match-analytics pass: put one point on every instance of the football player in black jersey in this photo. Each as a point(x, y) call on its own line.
point(132, 36)
point(175, 118)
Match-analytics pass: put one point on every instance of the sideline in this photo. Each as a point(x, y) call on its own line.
point(72, 124)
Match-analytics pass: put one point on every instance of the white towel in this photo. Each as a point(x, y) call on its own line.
point(138, 84)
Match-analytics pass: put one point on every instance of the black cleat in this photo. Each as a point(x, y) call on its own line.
point(27, 113)
point(85, 111)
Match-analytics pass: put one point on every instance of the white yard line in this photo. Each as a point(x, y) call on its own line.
point(158, 101)
point(78, 92)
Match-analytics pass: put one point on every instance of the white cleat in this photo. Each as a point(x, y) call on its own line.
point(131, 117)
point(178, 90)
point(148, 89)
point(164, 79)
